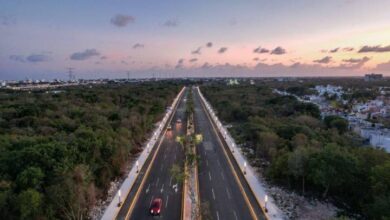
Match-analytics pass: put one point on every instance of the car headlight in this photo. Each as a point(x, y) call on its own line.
point(151, 211)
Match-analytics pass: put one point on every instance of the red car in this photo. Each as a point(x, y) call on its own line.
point(155, 207)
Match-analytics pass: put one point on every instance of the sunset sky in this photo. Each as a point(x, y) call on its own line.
point(40, 39)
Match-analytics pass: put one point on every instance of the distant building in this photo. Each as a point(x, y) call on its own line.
point(373, 77)
point(3, 84)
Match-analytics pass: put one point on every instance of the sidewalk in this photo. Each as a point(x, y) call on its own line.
point(113, 209)
point(257, 187)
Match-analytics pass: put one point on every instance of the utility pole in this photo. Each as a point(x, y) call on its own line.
point(70, 73)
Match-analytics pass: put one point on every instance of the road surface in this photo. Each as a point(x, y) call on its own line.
point(221, 183)
point(158, 183)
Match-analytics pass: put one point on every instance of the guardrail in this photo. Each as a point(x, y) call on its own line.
point(112, 209)
point(267, 204)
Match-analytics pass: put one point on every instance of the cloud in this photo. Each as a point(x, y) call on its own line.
point(324, 51)
point(348, 49)
point(222, 50)
point(138, 45)
point(103, 58)
point(124, 62)
point(197, 51)
point(88, 53)
point(295, 65)
point(171, 23)
point(383, 66)
point(352, 60)
point(209, 44)
point(256, 59)
point(120, 20)
point(334, 50)
point(278, 51)
point(33, 58)
point(6, 20)
point(180, 63)
point(374, 49)
point(18, 58)
point(193, 60)
point(324, 60)
point(260, 50)
point(36, 58)
point(206, 65)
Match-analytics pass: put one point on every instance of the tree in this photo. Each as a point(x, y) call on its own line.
point(31, 177)
point(29, 202)
point(298, 164)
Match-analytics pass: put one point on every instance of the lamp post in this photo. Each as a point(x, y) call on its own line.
point(265, 203)
point(119, 198)
point(244, 168)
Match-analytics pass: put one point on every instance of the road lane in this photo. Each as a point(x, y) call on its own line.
point(158, 182)
point(218, 185)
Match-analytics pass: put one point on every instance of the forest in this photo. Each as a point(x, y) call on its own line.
point(60, 149)
point(299, 150)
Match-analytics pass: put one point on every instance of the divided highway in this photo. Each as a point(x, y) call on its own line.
point(154, 180)
point(221, 183)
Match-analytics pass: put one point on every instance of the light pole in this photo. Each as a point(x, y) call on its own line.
point(119, 198)
point(244, 168)
point(137, 165)
point(265, 203)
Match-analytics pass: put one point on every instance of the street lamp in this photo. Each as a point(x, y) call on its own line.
point(265, 203)
point(137, 165)
point(244, 168)
point(119, 198)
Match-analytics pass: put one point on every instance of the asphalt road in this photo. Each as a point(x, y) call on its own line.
point(159, 183)
point(219, 180)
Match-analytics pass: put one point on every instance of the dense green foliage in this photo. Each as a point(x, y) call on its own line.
point(60, 150)
point(301, 151)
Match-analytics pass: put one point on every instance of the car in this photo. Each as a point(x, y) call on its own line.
point(169, 127)
point(178, 121)
point(155, 207)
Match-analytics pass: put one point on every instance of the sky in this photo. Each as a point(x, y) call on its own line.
point(193, 38)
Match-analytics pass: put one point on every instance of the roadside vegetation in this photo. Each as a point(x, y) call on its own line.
point(60, 150)
point(299, 150)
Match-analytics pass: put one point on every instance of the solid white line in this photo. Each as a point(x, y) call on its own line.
point(209, 176)
point(228, 193)
point(217, 215)
point(166, 204)
point(151, 201)
point(235, 214)
point(212, 190)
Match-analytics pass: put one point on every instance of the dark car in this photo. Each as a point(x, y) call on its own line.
point(155, 207)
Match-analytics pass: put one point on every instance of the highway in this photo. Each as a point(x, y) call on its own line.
point(155, 181)
point(221, 183)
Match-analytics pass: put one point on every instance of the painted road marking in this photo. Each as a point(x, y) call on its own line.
point(147, 189)
point(212, 190)
point(158, 179)
point(235, 215)
point(223, 176)
point(228, 193)
point(166, 204)
point(217, 215)
point(209, 176)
